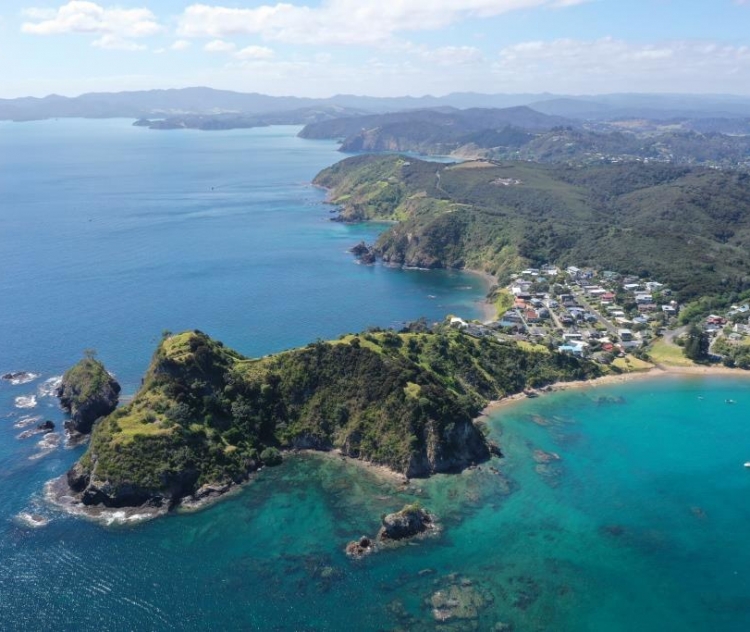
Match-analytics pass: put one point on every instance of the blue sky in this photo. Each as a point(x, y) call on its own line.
point(382, 48)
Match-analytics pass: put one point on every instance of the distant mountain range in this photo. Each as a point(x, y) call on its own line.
point(209, 102)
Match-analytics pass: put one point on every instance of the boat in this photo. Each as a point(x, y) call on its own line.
point(747, 464)
point(730, 401)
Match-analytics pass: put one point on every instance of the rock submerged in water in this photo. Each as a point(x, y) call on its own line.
point(87, 392)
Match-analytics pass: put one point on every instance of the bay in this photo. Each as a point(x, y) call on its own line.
point(621, 507)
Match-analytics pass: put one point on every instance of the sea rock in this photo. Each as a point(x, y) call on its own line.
point(410, 521)
point(18, 377)
point(359, 548)
point(365, 253)
point(46, 426)
point(87, 392)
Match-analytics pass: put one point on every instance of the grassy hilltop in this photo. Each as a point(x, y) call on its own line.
point(688, 227)
point(206, 415)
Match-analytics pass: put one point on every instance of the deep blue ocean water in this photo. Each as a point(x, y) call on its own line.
point(111, 234)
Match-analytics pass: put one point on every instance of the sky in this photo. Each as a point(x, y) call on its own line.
point(319, 48)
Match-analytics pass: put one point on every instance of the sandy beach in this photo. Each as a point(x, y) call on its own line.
point(655, 373)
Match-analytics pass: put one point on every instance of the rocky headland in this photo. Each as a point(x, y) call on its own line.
point(207, 417)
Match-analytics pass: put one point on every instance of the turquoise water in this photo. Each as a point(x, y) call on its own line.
point(639, 525)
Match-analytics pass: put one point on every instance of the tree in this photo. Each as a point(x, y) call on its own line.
point(696, 344)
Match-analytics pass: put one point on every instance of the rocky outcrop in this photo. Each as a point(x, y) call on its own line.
point(412, 520)
point(448, 449)
point(365, 254)
point(360, 548)
point(87, 392)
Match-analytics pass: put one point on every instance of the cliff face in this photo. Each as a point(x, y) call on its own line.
point(87, 392)
point(206, 417)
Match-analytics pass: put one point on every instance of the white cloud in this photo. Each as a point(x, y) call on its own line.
point(113, 42)
point(219, 46)
point(344, 21)
point(81, 16)
point(254, 53)
point(612, 65)
point(451, 55)
point(180, 45)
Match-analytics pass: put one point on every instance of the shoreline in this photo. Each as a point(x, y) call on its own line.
point(658, 372)
point(58, 494)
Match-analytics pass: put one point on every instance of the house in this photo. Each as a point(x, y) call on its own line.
point(607, 296)
point(521, 288)
point(573, 271)
point(532, 316)
point(631, 287)
point(669, 310)
point(458, 323)
point(512, 316)
point(577, 350)
point(643, 298)
point(625, 335)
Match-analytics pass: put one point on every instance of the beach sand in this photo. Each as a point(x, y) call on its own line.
point(655, 373)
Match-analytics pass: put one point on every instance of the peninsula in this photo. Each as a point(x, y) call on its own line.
point(206, 417)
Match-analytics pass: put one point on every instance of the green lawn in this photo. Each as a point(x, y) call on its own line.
point(662, 352)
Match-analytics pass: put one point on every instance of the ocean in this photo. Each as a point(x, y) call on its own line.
point(620, 507)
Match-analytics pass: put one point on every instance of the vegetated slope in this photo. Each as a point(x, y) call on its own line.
point(207, 415)
point(433, 131)
point(525, 134)
point(688, 227)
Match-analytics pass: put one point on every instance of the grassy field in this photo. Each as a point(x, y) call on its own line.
point(631, 364)
point(662, 352)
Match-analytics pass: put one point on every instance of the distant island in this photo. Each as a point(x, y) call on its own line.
point(206, 417)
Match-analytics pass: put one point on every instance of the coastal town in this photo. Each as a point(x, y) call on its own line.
point(600, 315)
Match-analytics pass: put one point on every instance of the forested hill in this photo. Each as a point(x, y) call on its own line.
point(521, 133)
point(688, 227)
point(431, 131)
point(206, 416)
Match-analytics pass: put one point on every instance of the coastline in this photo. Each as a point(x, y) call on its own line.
point(658, 372)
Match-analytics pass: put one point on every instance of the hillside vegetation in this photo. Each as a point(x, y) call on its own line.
point(521, 133)
point(688, 227)
point(208, 416)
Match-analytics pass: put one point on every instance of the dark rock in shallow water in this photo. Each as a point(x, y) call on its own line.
point(87, 392)
point(18, 377)
point(47, 426)
point(359, 548)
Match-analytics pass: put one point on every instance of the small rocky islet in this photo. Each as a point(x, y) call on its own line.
point(87, 392)
point(408, 523)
